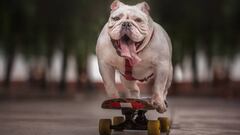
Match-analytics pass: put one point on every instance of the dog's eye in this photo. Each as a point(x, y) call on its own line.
point(138, 20)
point(116, 18)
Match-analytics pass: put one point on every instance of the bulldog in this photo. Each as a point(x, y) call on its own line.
point(139, 49)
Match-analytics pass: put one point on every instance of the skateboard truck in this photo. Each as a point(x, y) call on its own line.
point(141, 118)
point(131, 123)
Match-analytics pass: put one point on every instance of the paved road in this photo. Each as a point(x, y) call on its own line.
point(78, 117)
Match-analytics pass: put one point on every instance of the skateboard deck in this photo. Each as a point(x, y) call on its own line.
point(131, 103)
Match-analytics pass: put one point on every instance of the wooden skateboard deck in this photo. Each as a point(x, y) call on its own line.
point(131, 103)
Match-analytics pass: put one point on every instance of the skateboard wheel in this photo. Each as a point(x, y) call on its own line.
point(153, 127)
point(105, 127)
point(118, 120)
point(165, 124)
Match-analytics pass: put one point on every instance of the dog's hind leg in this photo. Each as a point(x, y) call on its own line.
point(169, 82)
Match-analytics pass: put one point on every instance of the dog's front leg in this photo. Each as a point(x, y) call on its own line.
point(108, 75)
point(159, 86)
point(131, 88)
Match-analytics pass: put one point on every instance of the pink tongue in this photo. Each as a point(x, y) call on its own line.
point(128, 50)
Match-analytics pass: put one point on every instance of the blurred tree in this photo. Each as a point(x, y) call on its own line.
point(200, 24)
point(12, 28)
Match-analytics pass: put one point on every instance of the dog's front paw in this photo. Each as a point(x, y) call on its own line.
point(159, 103)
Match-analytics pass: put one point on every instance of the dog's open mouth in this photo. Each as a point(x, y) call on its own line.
point(128, 48)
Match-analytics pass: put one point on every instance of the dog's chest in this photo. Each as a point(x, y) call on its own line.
point(139, 71)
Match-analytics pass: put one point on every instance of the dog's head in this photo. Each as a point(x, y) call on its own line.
point(129, 28)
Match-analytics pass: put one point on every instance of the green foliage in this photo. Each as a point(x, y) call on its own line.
point(209, 25)
point(36, 27)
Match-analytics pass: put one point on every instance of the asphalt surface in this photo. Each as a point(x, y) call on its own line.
point(191, 116)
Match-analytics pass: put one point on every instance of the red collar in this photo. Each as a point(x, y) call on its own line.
point(148, 42)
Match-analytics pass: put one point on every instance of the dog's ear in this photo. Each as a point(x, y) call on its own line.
point(144, 7)
point(115, 5)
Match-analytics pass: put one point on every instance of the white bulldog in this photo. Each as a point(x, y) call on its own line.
point(133, 44)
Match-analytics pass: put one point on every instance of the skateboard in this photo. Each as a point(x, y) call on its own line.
point(134, 117)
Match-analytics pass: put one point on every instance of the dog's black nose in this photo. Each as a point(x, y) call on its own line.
point(126, 24)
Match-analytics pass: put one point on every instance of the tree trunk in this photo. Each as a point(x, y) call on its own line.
point(194, 67)
point(9, 65)
point(63, 71)
point(49, 62)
